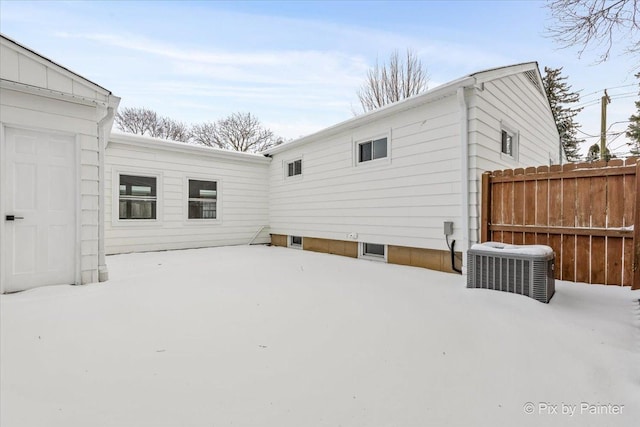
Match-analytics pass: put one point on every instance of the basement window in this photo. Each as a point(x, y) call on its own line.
point(373, 251)
point(295, 241)
point(137, 197)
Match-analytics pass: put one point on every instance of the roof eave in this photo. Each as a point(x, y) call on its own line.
point(388, 110)
point(55, 64)
point(174, 146)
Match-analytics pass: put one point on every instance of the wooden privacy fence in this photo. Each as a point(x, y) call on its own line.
point(586, 212)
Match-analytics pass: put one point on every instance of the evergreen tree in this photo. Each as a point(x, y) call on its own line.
point(560, 98)
point(633, 131)
point(594, 153)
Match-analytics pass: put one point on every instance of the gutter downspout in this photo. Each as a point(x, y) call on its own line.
point(464, 165)
point(103, 273)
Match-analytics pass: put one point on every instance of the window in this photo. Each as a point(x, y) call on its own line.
point(371, 150)
point(295, 241)
point(203, 199)
point(507, 143)
point(138, 197)
point(373, 249)
point(294, 168)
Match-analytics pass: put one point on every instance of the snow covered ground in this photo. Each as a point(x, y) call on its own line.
point(265, 336)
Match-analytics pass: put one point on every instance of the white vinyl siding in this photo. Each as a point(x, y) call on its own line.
point(513, 104)
point(241, 196)
point(56, 112)
point(405, 200)
point(402, 202)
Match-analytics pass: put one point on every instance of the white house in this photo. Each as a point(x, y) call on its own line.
point(54, 125)
point(170, 195)
point(383, 184)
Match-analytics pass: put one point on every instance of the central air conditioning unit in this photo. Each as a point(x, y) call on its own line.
point(520, 269)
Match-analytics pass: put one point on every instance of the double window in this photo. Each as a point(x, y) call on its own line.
point(138, 197)
point(203, 199)
point(373, 149)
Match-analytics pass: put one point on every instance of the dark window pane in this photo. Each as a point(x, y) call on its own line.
point(137, 209)
point(373, 249)
point(365, 152)
point(294, 168)
point(123, 209)
point(380, 148)
point(507, 143)
point(296, 240)
point(199, 209)
point(131, 185)
point(137, 197)
point(202, 189)
point(202, 199)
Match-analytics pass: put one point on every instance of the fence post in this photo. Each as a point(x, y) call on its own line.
point(636, 233)
point(486, 207)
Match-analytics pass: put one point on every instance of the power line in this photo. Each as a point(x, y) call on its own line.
point(597, 101)
point(586, 134)
point(609, 88)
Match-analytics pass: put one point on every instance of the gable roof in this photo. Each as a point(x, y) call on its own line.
point(431, 95)
point(26, 68)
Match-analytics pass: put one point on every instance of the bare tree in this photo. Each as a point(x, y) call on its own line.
point(136, 120)
point(173, 130)
point(399, 79)
point(143, 121)
point(238, 132)
point(585, 23)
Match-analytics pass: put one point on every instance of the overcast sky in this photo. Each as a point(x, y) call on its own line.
point(297, 65)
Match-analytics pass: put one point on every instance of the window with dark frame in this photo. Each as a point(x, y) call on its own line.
point(203, 199)
point(294, 168)
point(296, 241)
point(371, 150)
point(137, 197)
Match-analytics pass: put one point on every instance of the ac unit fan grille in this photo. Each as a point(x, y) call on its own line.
point(524, 276)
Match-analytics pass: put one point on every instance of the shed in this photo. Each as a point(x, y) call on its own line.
point(54, 125)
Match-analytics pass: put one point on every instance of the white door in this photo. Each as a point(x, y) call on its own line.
point(40, 213)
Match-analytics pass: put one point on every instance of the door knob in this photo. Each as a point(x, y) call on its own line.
point(13, 217)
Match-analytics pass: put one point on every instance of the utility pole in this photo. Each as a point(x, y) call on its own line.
point(603, 125)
